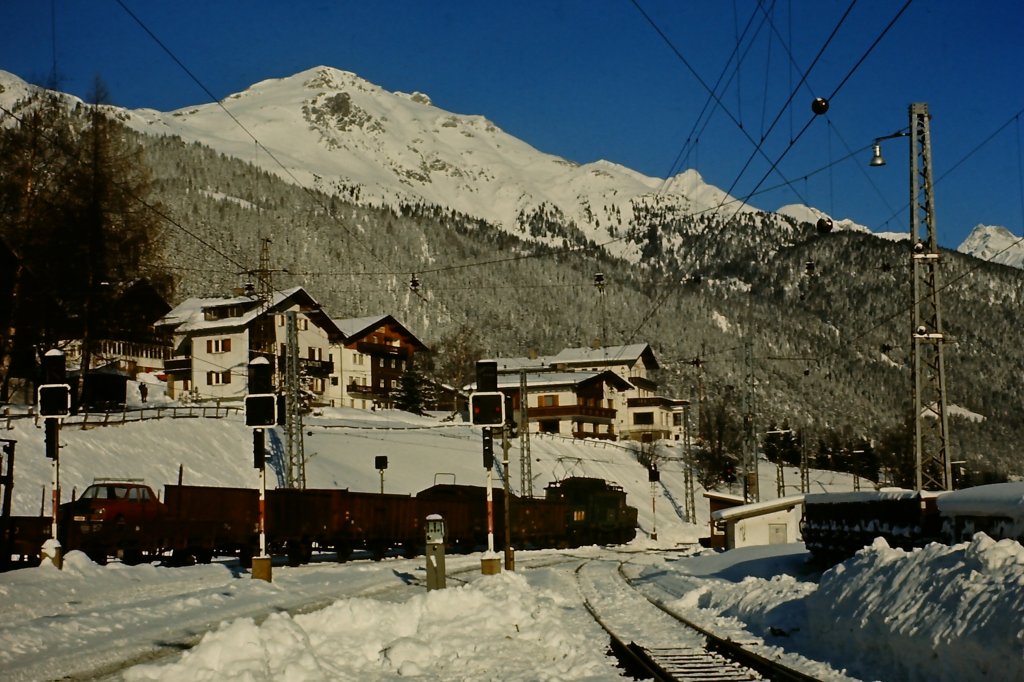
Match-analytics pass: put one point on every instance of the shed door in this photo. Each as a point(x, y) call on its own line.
point(777, 534)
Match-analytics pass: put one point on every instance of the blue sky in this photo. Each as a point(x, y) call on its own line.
point(614, 79)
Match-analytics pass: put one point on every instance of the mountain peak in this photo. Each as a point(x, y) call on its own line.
point(996, 244)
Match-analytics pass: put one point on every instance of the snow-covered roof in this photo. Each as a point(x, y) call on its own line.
point(353, 325)
point(605, 355)
point(566, 379)
point(985, 499)
point(354, 328)
point(189, 315)
point(861, 496)
point(757, 508)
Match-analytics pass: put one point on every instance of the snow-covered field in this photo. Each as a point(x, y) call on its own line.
point(941, 613)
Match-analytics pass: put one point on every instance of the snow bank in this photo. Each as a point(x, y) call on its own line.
point(499, 628)
point(939, 613)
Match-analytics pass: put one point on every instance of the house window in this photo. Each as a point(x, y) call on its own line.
point(547, 401)
point(334, 381)
point(643, 419)
point(394, 383)
point(218, 346)
point(218, 378)
point(303, 324)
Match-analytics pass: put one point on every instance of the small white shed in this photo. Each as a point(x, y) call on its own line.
point(774, 522)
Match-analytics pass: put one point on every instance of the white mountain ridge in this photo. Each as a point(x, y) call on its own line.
point(329, 129)
point(996, 244)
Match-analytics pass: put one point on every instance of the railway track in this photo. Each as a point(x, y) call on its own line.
point(655, 643)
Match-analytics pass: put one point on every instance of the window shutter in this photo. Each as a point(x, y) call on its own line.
point(226, 345)
point(209, 345)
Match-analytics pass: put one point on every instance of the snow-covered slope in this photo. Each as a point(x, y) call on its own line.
point(996, 244)
point(329, 129)
point(809, 214)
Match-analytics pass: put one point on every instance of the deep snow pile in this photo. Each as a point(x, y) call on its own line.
point(937, 613)
point(500, 627)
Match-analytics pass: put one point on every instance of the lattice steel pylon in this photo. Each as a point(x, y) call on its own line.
point(295, 465)
point(688, 488)
point(525, 459)
point(931, 426)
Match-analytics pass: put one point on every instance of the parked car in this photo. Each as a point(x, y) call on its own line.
point(120, 501)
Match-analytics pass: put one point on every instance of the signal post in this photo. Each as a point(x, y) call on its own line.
point(260, 414)
point(54, 400)
point(487, 409)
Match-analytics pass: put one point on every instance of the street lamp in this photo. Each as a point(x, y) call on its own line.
point(876, 158)
point(926, 324)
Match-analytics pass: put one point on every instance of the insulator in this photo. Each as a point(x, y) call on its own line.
point(599, 280)
point(824, 225)
point(819, 106)
point(414, 283)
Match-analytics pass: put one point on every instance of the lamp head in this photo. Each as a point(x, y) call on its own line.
point(876, 159)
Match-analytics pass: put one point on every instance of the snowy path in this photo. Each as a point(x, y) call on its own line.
point(102, 619)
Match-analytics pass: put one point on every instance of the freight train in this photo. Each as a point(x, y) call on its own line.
point(836, 525)
point(126, 520)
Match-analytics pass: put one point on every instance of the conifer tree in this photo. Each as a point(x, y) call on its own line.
point(77, 217)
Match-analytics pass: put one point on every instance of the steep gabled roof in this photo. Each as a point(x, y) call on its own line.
point(190, 314)
point(609, 355)
point(355, 328)
point(576, 357)
point(563, 379)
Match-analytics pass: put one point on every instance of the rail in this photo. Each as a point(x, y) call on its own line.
point(677, 649)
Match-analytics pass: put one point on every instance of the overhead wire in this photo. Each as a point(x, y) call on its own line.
point(774, 165)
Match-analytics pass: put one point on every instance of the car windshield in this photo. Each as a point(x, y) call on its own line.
point(105, 492)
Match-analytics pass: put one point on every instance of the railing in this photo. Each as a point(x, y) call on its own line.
point(378, 349)
point(177, 365)
point(596, 436)
point(125, 415)
point(317, 368)
point(365, 391)
point(569, 411)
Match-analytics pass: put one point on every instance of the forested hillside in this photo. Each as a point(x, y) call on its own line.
point(827, 316)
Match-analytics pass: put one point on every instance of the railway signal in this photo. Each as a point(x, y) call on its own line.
point(261, 403)
point(54, 400)
point(487, 408)
point(488, 449)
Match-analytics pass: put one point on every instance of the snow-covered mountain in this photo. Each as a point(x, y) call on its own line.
point(996, 244)
point(331, 130)
point(808, 214)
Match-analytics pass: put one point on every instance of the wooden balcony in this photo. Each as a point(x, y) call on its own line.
point(179, 365)
point(593, 415)
point(379, 350)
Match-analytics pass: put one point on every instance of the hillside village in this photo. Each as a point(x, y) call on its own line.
point(200, 352)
